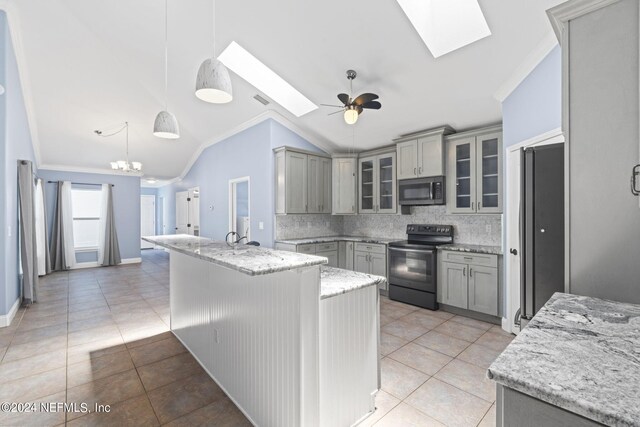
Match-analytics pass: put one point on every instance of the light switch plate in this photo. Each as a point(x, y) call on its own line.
point(261, 225)
point(488, 228)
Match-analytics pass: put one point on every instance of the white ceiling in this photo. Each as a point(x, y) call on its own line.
point(93, 64)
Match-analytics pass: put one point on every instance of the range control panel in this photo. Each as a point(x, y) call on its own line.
point(430, 229)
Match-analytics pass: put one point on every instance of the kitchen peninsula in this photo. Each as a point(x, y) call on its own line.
point(273, 329)
point(576, 363)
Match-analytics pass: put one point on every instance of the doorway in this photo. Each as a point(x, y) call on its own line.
point(239, 207)
point(513, 238)
point(147, 219)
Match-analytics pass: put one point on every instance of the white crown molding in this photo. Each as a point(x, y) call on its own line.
point(6, 319)
point(15, 32)
point(77, 169)
point(526, 67)
point(561, 14)
point(266, 115)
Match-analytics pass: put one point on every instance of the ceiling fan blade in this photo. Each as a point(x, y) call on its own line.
point(344, 98)
point(335, 112)
point(331, 105)
point(374, 105)
point(364, 98)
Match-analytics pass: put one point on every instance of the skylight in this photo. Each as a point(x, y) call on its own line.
point(446, 25)
point(247, 66)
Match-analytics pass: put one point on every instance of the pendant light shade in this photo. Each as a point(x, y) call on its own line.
point(351, 115)
point(213, 83)
point(166, 126)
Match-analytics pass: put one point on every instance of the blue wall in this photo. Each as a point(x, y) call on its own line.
point(126, 206)
point(16, 144)
point(247, 153)
point(535, 106)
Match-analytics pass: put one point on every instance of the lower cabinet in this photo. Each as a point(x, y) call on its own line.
point(469, 281)
point(371, 259)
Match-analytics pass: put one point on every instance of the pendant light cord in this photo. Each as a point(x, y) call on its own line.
point(166, 55)
point(213, 22)
point(126, 125)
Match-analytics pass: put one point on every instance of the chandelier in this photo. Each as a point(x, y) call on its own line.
point(122, 165)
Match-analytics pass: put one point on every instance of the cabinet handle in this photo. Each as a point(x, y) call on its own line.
point(353, 208)
point(414, 171)
point(470, 272)
point(419, 170)
point(306, 209)
point(479, 205)
point(464, 271)
point(473, 204)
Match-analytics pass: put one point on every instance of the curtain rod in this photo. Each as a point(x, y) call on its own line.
point(80, 183)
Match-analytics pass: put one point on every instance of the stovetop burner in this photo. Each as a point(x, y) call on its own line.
point(421, 235)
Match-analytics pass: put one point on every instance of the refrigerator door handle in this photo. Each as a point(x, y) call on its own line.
point(513, 251)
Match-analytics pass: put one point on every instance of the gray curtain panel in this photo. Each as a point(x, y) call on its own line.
point(47, 255)
point(28, 251)
point(56, 247)
point(111, 248)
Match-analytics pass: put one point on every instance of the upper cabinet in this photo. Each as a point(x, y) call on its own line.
point(474, 179)
point(377, 177)
point(422, 154)
point(302, 181)
point(344, 188)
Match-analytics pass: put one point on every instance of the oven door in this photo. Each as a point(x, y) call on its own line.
point(413, 268)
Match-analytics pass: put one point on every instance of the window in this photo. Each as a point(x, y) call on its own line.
point(86, 206)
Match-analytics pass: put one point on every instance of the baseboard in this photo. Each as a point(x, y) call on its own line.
point(94, 264)
point(6, 319)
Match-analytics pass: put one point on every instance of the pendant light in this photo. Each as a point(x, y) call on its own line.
point(213, 83)
point(166, 124)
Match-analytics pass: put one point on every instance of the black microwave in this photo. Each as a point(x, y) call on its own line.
point(421, 191)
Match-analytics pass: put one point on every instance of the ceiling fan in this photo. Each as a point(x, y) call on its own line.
point(352, 107)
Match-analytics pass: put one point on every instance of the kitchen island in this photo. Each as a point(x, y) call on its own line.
point(290, 341)
point(576, 363)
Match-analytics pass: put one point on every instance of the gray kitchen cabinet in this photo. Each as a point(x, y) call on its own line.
point(344, 188)
point(422, 154)
point(378, 264)
point(474, 179)
point(331, 255)
point(302, 182)
point(377, 177)
point(470, 281)
point(361, 262)
point(454, 284)
point(349, 255)
point(483, 289)
point(371, 259)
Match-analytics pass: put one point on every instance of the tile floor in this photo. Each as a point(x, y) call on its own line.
point(101, 336)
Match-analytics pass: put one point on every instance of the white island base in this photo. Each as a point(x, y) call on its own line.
point(285, 355)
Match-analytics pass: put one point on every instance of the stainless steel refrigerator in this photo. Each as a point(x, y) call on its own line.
point(542, 226)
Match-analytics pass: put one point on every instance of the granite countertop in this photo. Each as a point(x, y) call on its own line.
point(480, 249)
point(337, 281)
point(325, 239)
point(251, 260)
point(581, 354)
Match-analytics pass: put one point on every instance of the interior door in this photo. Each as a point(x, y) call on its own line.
point(147, 219)
point(182, 212)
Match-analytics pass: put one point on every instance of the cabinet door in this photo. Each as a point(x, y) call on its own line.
point(461, 179)
point(454, 284)
point(407, 159)
point(489, 173)
point(367, 185)
point(361, 262)
point(314, 184)
point(483, 289)
point(332, 256)
point(296, 182)
point(386, 179)
point(308, 248)
point(349, 256)
point(344, 186)
point(325, 185)
point(379, 266)
point(430, 156)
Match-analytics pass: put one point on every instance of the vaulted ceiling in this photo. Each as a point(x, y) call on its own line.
point(89, 64)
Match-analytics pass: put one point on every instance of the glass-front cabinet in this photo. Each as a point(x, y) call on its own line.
point(474, 180)
point(378, 184)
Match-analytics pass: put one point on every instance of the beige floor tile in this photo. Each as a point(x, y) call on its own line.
point(423, 318)
point(448, 404)
point(155, 351)
point(479, 355)
point(96, 368)
point(28, 366)
point(444, 315)
point(22, 337)
point(37, 418)
point(384, 403)
point(390, 343)
point(130, 335)
point(95, 321)
point(93, 334)
point(133, 412)
point(394, 311)
point(404, 415)
point(485, 326)
point(29, 323)
point(88, 314)
point(220, 413)
point(408, 331)
point(95, 349)
point(498, 330)
point(398, 379)
point(489, 419)
point(421, 358)
point(495, 341)
point(151, 339)
point(32, 387)
point(460, 331)
point(168, 370)
point(470, 378)
point(443, 343)
point(34, 348)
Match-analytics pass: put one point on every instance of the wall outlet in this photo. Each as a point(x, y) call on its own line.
point(488, 228)
point(261, 225)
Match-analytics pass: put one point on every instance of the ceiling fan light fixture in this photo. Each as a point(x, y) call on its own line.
point(213, 83)
point(351, 115)
point(166, 126)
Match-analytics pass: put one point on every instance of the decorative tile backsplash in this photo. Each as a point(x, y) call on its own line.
point(469, 229)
